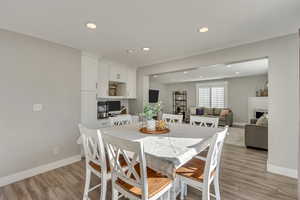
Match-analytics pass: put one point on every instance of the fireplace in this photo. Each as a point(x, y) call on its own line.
point(259, 113)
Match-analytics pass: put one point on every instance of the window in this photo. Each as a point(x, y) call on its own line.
point(212, 95)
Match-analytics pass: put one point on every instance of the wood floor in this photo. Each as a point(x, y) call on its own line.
point(243, 177)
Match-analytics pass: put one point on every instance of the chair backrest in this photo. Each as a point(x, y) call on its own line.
point(214, 155)
point(121, 120)
point(172, 119)
point(93, 146)
point(133, 153)
point(212, 122)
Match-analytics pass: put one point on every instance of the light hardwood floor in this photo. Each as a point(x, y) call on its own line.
point(243, 177)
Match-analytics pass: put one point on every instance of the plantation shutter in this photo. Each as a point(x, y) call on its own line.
point(217, 97)
point(204, 97)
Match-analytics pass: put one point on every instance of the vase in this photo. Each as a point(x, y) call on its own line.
point(151, 125)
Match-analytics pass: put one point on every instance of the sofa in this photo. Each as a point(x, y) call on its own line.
point(224, 119)
point(256, 136)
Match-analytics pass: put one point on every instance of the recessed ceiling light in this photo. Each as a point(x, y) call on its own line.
point(228, 66)
point(237, 72)
point(203, 29)
point(91, 25)
point(146, 49)
point(130, 50)
point(155, 76)
point(185, 72)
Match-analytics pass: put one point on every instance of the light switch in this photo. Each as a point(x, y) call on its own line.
point(37, 107)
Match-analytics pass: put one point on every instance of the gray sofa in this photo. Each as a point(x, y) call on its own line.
point(256, 136)
point(215, 112)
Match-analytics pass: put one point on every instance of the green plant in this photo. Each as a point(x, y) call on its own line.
point(151, 110)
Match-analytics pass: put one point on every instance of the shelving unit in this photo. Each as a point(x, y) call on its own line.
point(180, 103)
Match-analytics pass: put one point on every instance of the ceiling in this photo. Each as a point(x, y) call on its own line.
point(220, 71)
point(168, 27)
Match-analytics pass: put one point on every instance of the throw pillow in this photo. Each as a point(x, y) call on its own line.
point(224, 112)
point(199, 111)
point(208, 111)
point(217, 111)
point(262, 121)
point(193, 110)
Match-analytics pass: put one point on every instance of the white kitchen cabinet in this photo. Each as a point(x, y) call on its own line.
point(117, 72)
point(131, 83)
point(89, 69)
point(103, 79)
point(89, 109)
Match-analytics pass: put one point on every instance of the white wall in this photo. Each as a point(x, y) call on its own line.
point(37, 71)
point(284, 91)
point(239, 90)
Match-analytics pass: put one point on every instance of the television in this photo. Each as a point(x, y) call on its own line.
point(113, 106)
point(153, 96)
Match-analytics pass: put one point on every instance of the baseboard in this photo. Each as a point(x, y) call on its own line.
point(239, 123)
point(38, 170)
point(293, 173)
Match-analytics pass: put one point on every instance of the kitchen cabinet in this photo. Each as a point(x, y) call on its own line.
point(89, 109)
point(89, 69)
point(131, 83)
point(117, 72)
point(103, 78)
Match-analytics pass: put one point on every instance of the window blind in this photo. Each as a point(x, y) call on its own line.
point(217, 97)
point(204, 97)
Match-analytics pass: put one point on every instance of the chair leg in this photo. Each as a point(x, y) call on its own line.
point(206, 193)
point(114, 194)
point(87, 184)
point(182, 190)
point(185, 190)
point(103, 187)
point(217, 188)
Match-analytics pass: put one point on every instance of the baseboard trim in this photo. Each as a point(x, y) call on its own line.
point(293, 173)
point(239, 123)
point(38, 170)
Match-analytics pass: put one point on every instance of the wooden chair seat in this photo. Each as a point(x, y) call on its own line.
point(194, 169)
point(156, 183)
point(98, 167)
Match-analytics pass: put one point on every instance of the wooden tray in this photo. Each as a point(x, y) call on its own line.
point(146, 131)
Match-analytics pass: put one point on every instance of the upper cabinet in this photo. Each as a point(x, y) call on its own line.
point(89, 69)
point(100, 75)
point(117, 72)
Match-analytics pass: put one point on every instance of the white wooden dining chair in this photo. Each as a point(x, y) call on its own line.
point(95, 160)
point(121, 120)
point(137, 181)
point(200, 121)
point(200, 174)
point(172, 119)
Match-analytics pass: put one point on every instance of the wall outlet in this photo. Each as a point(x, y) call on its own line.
point(37, 107)
point(56, 150)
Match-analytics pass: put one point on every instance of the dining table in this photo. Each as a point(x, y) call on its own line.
point(165, 153)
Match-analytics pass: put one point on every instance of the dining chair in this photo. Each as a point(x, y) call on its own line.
point(95, 160)
point(200, 121)
point(137, 181)
point(200, 174)
point(172, 119)
point(121, 120)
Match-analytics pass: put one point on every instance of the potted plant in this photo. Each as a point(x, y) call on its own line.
point(151, 110)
